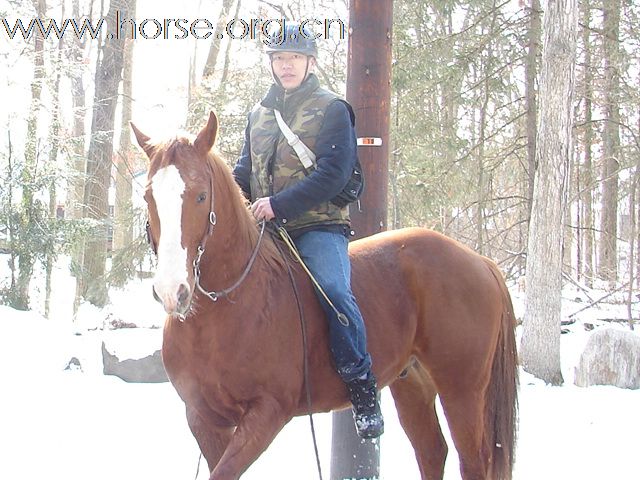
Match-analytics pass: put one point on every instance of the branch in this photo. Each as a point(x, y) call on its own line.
point(592, 304)
point(584, 289)
point(276, 7)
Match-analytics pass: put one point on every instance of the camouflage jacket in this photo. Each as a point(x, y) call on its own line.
point(268, 166)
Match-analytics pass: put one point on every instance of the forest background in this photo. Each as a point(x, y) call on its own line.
point(465, 124)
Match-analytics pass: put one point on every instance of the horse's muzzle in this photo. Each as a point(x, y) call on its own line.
point(178, 303)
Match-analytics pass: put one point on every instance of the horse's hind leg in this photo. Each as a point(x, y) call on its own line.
point(415, 397)
point(464, 412)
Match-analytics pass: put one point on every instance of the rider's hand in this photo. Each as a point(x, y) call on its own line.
point(261, 208)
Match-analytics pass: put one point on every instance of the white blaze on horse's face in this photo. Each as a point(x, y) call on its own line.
point(171, 279)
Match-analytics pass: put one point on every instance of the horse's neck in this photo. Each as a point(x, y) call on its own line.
point(229, 249)
point(227, 252)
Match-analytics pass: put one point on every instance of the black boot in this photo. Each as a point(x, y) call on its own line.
point(366, 409)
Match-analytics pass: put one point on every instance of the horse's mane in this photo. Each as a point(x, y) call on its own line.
point(247, 231)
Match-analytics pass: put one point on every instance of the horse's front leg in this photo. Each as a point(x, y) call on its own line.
point(257, 428)
point(212, 439)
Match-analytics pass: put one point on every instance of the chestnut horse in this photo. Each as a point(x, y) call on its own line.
point(439, 321)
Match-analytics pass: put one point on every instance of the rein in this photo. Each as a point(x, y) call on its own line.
point(303, 327)
point(213, 295)
point(342, 318)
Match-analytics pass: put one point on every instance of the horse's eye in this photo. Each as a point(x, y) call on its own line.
point(202, 197)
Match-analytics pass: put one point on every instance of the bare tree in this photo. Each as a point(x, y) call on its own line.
point(28, 216)
point(227, 51)
point(214, 47)
point(531, 74)
point(534, 31)
point(99, 158)
point(54, 135)
point(585, 261)
point(632, 241)
point(75, 187)
point(487, 66)
point(122, 212)
point(540, 350)
point(608, 264)
point(75, 184)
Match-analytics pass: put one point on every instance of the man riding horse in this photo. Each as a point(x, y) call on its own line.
point(271, 175)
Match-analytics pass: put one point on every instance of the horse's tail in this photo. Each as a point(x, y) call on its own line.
point(501, 406)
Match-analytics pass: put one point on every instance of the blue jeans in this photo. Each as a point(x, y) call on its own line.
point(326, 256)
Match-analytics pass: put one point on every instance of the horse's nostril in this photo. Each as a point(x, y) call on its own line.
point(183, 294)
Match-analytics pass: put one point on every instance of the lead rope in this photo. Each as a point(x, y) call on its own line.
point(198, 469)
point(342, 318)
point(303, 326)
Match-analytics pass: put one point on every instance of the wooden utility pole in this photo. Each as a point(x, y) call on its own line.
point(369, 92)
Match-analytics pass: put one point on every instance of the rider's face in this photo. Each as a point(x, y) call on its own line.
point(290, 68)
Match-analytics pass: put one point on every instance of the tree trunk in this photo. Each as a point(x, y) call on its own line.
point(540, 352)
point(450, 100)
point(75, 187)
point(608, 265)
point(75, 184)
point(26, 260)
point(531, 73)
point(479, 213)
point(531, 105)
point(99, 158)
point(214, 47)
point(191, 85)
point(482, 174)
point(587, 168)
point(636, 210)
point(123, 209)
point(227, 52)
point(12, 228)
point(632, 242)
point(54, 135)
point(571, 235)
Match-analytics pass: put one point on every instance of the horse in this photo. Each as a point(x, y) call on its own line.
point(439, 321)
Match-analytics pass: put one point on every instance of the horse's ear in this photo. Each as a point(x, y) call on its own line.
point(143, 140)
point(207, 136)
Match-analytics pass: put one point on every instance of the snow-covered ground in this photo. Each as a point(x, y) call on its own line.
point(81, 424)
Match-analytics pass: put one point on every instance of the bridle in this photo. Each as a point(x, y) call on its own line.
point(213, 295)
point(212, 221)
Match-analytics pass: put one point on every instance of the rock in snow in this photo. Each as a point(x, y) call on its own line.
point(611, 357)
point(148, 369)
